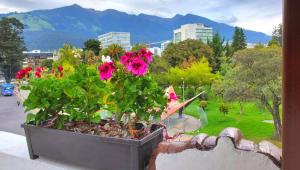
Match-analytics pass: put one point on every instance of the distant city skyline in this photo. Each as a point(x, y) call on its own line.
point(256, 15)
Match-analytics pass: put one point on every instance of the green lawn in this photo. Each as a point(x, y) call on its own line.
point(250, 122)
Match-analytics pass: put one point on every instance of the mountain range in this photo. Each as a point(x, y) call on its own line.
point(50, 29)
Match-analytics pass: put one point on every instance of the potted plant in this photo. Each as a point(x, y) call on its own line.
point(99, 123)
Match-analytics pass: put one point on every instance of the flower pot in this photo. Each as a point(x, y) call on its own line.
point(91, 151)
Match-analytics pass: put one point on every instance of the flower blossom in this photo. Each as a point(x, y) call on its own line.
point(172, 96)
point(106, 59)
point(39, 71)
point(137, 67)
point(106, 70)
point(145, 55)
point(60, 69)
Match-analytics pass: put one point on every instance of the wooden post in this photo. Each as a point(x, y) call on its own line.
point(291, 85)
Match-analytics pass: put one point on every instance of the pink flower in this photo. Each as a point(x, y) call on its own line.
point(172, 96)
point(137, 67)
point(106, 70)
point(125, 60)
point(60, 69)
point(145, 55)
point(40, 69)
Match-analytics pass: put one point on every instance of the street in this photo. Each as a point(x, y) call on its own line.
point(11, 115)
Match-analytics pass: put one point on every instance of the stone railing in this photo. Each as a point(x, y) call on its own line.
point(228, 151)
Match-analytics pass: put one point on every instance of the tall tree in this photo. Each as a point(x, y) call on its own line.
point(93, 45)
point(115, 51)
point(276, 36)
point(239, 40)
point(218, 52)
point(137, 47)
point(177, 53)
point(11, 46)
point(256, 75)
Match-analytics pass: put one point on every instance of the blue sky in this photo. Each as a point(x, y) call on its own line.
point(258, 15)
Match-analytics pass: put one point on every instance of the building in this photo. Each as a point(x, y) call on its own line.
point(164, 45)
point(35, 58)
point(193, 31)
point(120, 38)
point(155, 51)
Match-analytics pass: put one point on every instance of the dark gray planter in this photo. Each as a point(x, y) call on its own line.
point(95, 152)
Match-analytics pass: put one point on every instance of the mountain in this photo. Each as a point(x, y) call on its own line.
point(50, 29)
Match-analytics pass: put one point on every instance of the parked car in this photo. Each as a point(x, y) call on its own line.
point(7, 89)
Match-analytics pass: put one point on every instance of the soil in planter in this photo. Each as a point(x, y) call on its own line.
point(106, 128)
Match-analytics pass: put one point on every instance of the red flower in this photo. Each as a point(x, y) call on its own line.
point(38, 74)
point(60, 68)
point(28, 69)
point(39, 71)
point(18, 75)
point(106, 70)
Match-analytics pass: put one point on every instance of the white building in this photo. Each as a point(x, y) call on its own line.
point(193, 31)
point(120, 38)
point(164, 45)
point(156, 51)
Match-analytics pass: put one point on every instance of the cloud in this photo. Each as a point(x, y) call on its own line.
point(259, 15)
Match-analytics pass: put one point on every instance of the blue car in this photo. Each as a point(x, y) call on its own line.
point(7, 89)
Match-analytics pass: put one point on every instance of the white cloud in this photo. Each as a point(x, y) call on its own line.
point(258, 15)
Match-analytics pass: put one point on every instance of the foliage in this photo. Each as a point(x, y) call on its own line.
point(203, 104)
point(228, 50)
point(276, 36)
point(115, 51)
point(139, 93)
point(89, 57)
point(199, 74)
point(11, 46)
point(223, 108)
point(138, 47)
point(188, 62)
point(123, 88)
point(256, 75)
point(69, 58)
point(86, 93)
point(175, 54)
point(47, 63)
point(92, 45)
point(218, 52)
point(239, 40)
point(46, 95)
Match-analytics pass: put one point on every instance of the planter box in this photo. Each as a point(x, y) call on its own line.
point(91, 151)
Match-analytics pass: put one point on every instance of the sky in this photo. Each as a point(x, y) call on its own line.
point(257, 15)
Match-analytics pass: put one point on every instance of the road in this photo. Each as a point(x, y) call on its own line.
point(11, 115)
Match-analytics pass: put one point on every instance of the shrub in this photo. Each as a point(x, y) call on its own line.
point(224, 108)
point(203, 104)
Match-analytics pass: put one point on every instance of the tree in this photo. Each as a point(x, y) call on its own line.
point(90, 58)
point(256, 75)
point(199, 74)
point(276, 36)
point(138, 47)
point(228, 50)
point(11, 46)
point(115, 51)
point(218, 52)
point(175, 54)
point(68, 57)
point(47, 63)
point(93, 45)
point(239, 40)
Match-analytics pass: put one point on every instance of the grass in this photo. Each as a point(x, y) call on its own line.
point(250, 122)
